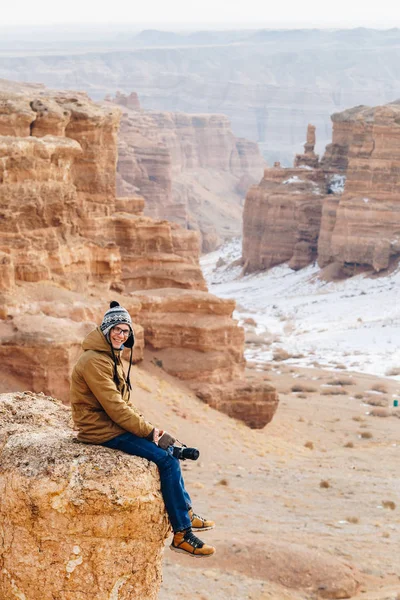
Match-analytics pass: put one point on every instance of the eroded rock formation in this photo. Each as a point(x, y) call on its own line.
point(73, 525)
point(189, 168)
point(195, 338)
point(281, 218)
point(366, 227)
point(68, 246)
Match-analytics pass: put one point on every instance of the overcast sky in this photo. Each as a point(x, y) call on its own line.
point(170, 14)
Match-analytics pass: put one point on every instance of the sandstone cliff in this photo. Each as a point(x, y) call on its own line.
point(282, 215)
point(68, 246)
point(189, 168)
point(365, 229)
point(343, 209)
point(75, 518)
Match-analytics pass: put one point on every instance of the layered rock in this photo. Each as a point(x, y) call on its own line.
point(193, 337)
point(68, 246)
point(366, 227)
point(281, 218)
point(72, 522)
point(189, 168)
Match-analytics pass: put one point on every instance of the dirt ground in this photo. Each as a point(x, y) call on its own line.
point(308, 507)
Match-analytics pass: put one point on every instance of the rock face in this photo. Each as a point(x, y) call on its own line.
point(366, 227)
point(194, 337)
point(68, 246)
point(281, 218)
point(74, 518)
point(189, 168)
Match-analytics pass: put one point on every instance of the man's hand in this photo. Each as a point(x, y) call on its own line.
point(165, 440)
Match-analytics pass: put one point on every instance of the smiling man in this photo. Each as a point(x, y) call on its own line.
point(103, 414)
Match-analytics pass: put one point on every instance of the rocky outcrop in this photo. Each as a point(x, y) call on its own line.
point(71, 522)
point(366, 227)
point(68, 246)
point(281, 218)
point(193, 336)
point(190, 168)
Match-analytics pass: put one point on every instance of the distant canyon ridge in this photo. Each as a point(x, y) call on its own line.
point(269, 83)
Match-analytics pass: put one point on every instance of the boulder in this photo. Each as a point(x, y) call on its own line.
point(77, 521)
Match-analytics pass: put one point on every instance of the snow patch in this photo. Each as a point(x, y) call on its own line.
point(355, 323)
point(337, 183)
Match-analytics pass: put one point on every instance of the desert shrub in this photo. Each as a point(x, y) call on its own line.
point(366, 435)
point(358, 418)
point(376, 401)
point(359, 396)
point(324, 483)
point(309, 445)
point(334, 391)
point(341, 381)
point(349, 445)
point(393, 372)
point(379, 387)
point(380, 412)
point(281, 354)
point(389, 504)
point(353, 520)
point(223, 482)
point(299, 387)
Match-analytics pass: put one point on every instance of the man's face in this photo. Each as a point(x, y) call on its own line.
point(118, 335)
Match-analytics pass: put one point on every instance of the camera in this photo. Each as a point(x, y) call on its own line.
point(184, 453)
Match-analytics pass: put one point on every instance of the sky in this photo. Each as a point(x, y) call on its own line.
point(175, 14)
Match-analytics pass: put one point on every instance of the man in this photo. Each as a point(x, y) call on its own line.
point(101, 411)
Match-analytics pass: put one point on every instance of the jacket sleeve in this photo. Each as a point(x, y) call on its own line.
point(98, 374)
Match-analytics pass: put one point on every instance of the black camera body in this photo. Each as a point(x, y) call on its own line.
point(185, 453)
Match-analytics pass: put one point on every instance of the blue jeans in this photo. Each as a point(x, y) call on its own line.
point(176, 499)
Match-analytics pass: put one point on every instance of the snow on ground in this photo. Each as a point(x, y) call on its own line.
point(355, 323)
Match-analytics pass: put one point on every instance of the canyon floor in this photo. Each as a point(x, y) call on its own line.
point(296, 503)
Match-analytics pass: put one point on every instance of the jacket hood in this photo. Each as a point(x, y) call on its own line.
point(95, 340)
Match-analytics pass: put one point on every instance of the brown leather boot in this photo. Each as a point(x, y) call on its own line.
point(199, 523)
point(187, 543)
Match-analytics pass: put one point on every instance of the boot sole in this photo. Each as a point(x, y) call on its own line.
point(189, 553)
point(203, 528)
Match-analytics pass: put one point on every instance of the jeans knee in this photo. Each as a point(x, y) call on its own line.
point(168, 463)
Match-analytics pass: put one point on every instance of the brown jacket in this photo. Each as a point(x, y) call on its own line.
point(100, 409)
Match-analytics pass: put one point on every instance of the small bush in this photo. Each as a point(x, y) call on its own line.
point(334, 391)
point(281, 354)
point(358, 418)
point(349, 445)
point(359, 396)
point(309, 445)
point(389, 504)
point(324, 484)
point(379, 387)
point(299, 387)
point(376, 401)
point(223, 482)
point(366, 435)
point(341, 381)
point(380, 412)
point(353, 520)
point(394, 372)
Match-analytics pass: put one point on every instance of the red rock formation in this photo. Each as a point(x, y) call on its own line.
point(281, 218)
point(73, 525)
point(185, 164)
point(195, 338)
point(309, 158)
point(64, 228)
point(366, 229)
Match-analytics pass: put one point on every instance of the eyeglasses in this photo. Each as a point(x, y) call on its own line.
point(124, 332)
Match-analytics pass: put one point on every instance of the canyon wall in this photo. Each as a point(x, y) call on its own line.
point(189, 168)
point(68, 246)
point(73, 525)
point(366, 230)
point(343, 209)
point(270, 83)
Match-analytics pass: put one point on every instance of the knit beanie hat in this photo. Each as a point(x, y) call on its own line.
point(114, 316)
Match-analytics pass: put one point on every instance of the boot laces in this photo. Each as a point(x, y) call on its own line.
point(193, 540)
point(196, 516)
